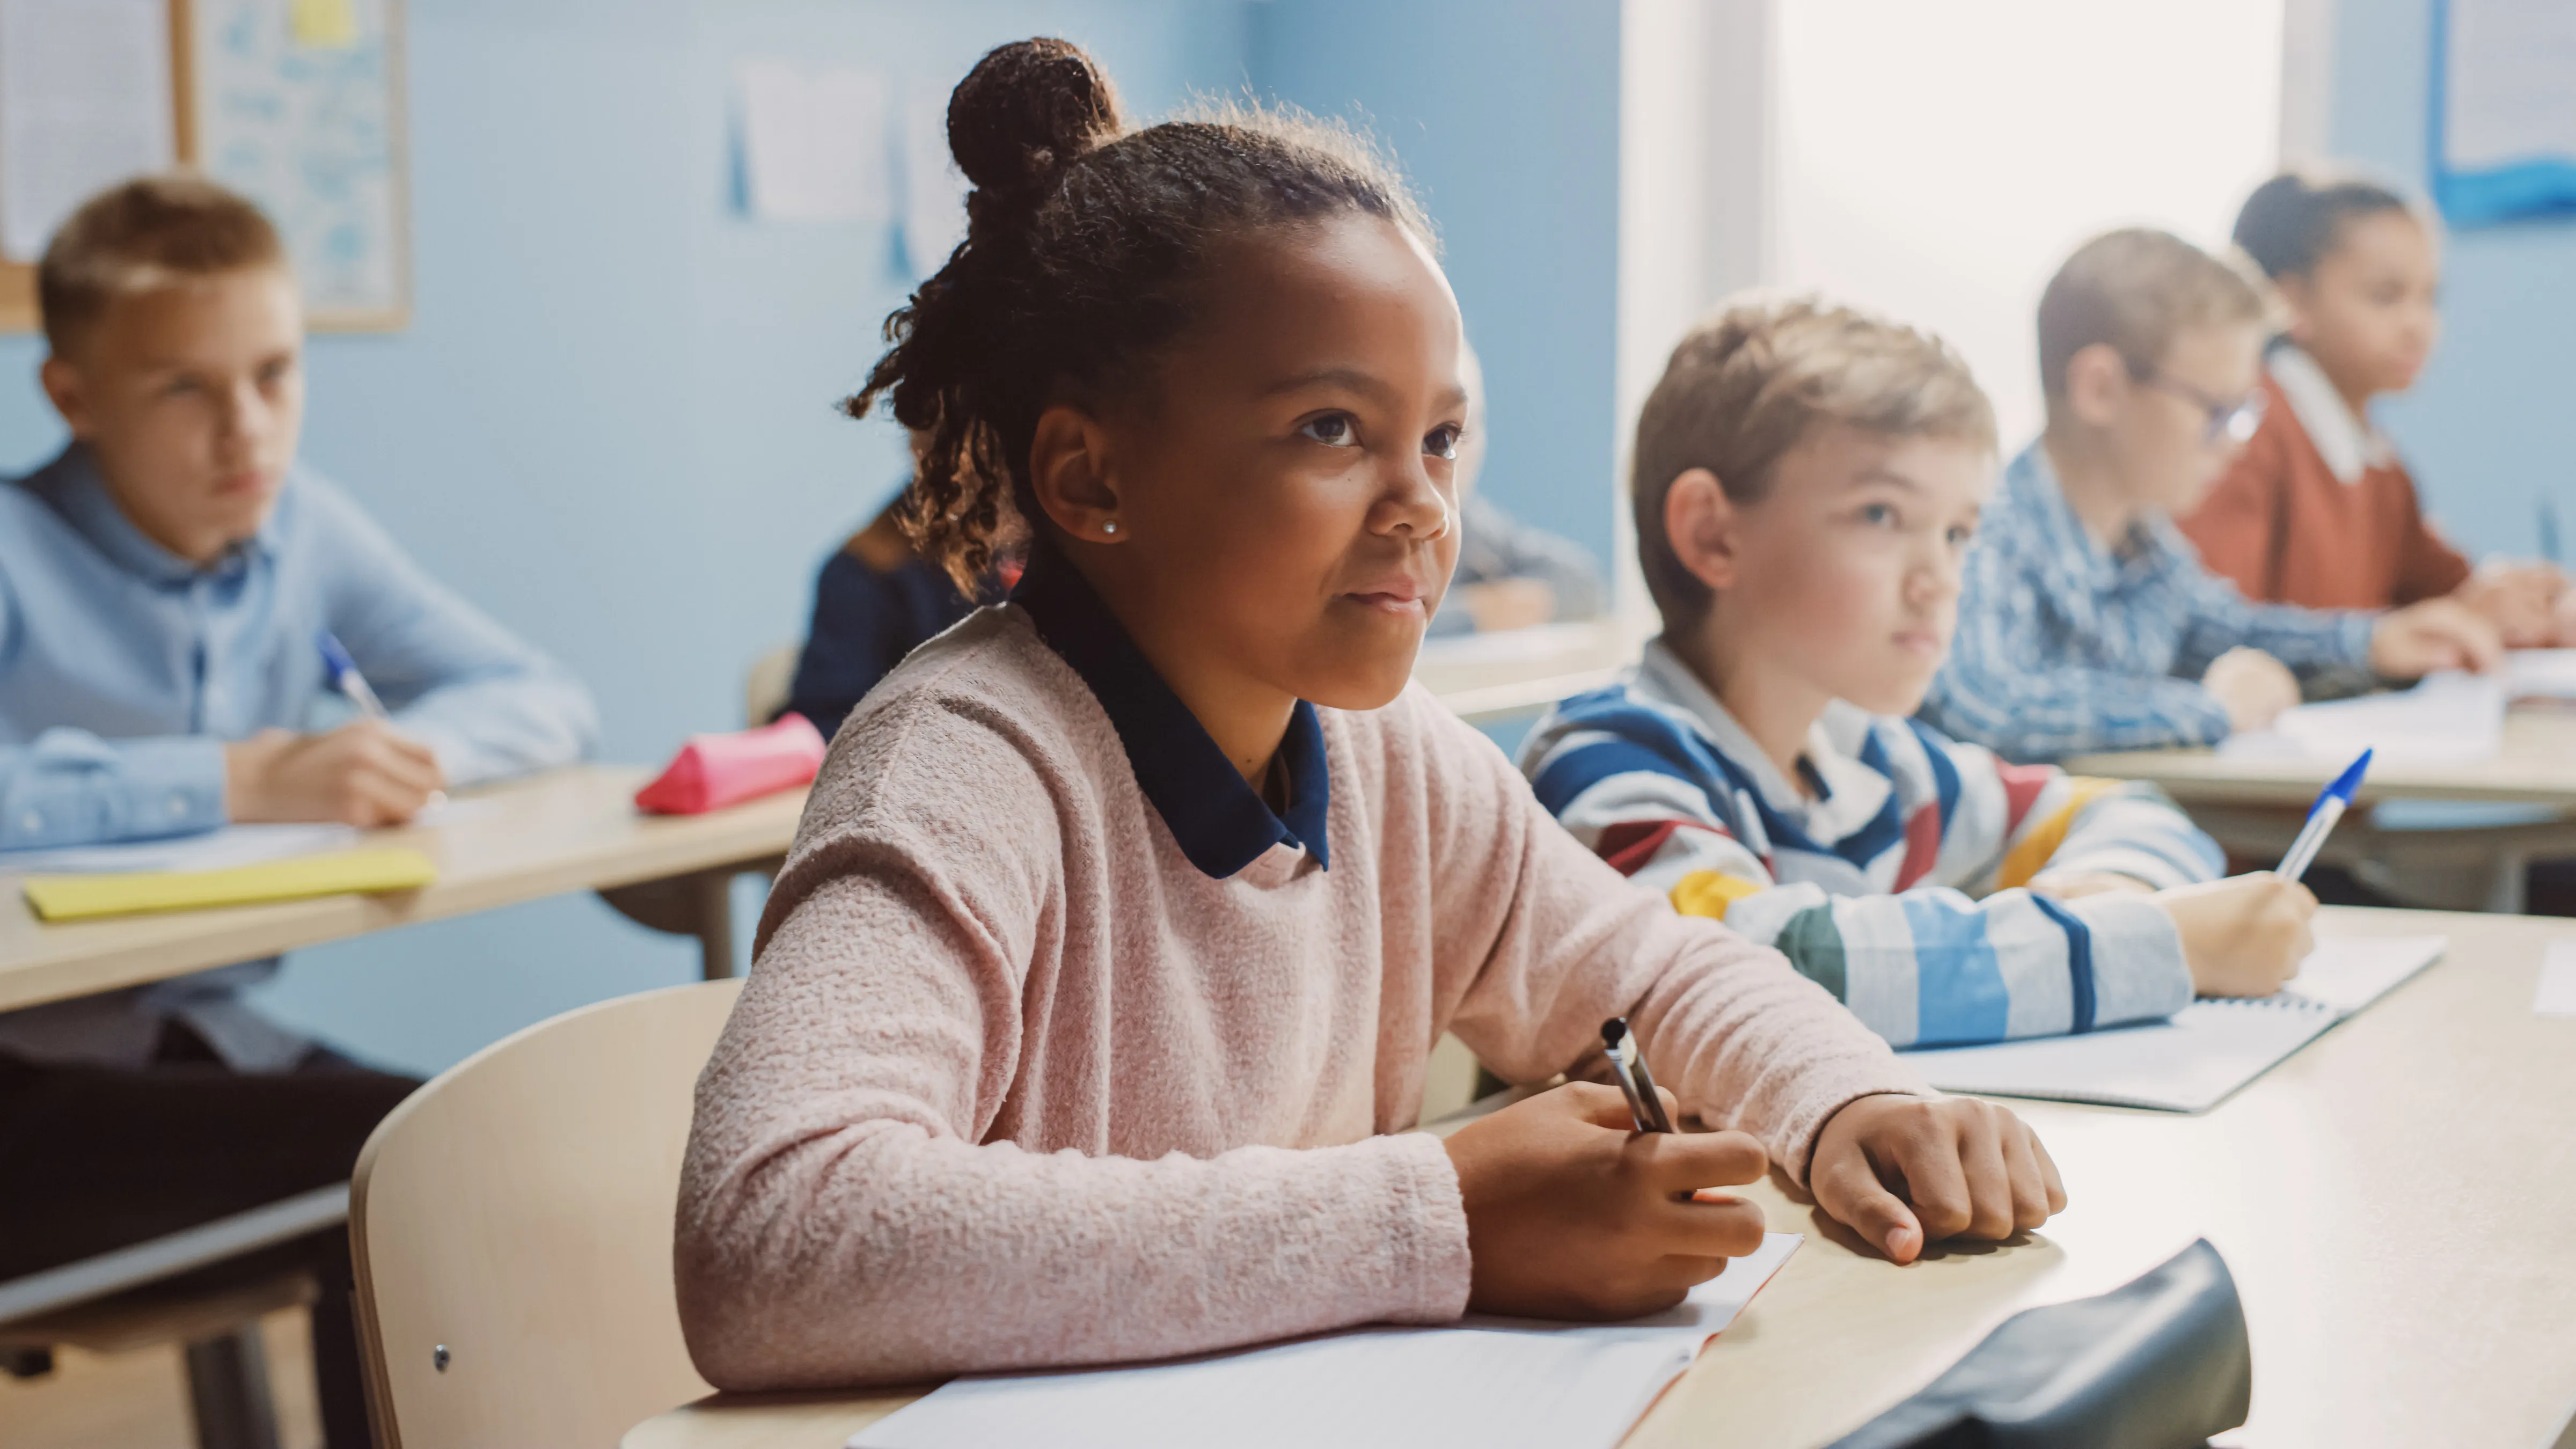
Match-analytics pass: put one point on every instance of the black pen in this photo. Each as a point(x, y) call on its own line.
point(1645, 1105)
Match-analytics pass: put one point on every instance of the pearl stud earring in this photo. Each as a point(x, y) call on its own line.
point(1109, 525)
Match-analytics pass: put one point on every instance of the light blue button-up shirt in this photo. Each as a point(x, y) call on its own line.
point(124, 669)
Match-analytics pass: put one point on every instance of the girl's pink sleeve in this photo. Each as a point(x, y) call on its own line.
point(842, 1219)
point(1543, 940)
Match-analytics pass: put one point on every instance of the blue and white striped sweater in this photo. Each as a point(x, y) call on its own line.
point(1892, 877)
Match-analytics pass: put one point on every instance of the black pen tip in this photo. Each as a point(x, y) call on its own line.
point(1612, 1030)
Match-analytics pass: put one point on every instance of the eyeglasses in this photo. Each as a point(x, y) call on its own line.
point(2227, 422)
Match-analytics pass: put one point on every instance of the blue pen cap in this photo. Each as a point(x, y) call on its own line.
point(334, 658)
point(2346, 785)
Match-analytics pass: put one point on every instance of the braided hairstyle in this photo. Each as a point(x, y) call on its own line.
point(1085, 242)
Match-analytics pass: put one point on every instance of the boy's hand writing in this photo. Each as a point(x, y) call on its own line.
point(1572, 1213)
point(2412, 642)
point(1902, 1171)
point(364, 773)
point(2243, 936)
point(2252, 685)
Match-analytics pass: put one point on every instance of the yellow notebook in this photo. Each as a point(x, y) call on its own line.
point(78, 897)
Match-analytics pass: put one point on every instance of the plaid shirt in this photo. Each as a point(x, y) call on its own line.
point(2065, 648)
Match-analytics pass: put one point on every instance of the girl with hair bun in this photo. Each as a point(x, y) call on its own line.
point(2318, 510)
point(1108, 959)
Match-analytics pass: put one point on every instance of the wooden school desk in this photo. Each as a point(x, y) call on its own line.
point(572, 829)
point(2390, 1201)
point(2254, 806)
point(2537, 766)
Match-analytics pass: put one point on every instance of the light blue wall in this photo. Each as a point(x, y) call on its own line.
point(2489, 429)
point(1506, 115)
point(610, 421)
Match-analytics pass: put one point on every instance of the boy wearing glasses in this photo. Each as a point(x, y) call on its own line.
point(2087, 621)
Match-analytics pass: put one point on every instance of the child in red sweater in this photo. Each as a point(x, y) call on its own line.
point(2318, 510)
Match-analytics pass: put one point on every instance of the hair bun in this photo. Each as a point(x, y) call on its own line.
point(1025, 112)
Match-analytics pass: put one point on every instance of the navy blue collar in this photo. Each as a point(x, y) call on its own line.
point(1221, 823)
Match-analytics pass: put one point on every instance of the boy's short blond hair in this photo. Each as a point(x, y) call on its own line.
point(2136, 290)
point(1756, 380)
point(142, 235)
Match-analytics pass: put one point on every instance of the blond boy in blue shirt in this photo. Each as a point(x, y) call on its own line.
point(162, 584)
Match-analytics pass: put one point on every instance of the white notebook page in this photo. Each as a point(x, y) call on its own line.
point(1496, 1383)
point(2206, 1052)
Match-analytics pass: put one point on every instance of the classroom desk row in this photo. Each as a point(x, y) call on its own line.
point(573, 829)
point(2382, 1197)
point(2385, 1200)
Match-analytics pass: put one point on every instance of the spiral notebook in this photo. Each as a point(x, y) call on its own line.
point(2205, 1052)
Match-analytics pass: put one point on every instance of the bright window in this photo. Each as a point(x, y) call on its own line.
point(1937, 161)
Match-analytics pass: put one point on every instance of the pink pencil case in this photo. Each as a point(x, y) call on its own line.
point(713, 771)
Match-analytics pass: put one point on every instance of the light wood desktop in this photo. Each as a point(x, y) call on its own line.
point(566, 830)
point(2389, 1200)
point(2537, 765)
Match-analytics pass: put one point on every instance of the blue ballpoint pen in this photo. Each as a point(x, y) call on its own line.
point(2322, 816)
point(345, 677)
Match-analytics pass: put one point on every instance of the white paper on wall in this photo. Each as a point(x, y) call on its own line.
point(2509, 88)
point(934, 192)
point(84, 103)
point(814, 142)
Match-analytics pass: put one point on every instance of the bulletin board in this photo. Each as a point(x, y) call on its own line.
point(2503, 111)
point(297, 104)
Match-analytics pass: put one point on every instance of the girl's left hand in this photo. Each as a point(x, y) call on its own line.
point(1903, 1170)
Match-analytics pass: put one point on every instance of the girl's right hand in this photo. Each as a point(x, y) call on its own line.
point(2242, 936)
point(1572, 1213)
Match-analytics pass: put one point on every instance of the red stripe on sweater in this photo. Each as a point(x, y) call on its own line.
point(1922, 846)
point(2022, 784)
point(1631, 844)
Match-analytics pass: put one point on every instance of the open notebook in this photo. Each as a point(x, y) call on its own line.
point(1497, 1383)
point(2208, 1050)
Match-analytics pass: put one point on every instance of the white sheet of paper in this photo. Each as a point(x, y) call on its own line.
point(2557, 994)
point(2205, 1053)
point(216, 849)
point(814, 141)
point(934, 194)
point(84, 102)
point(1497, 1383)
point(2447, 719)
point(2540, 673)
point(2510, 87)
point(2348, 973)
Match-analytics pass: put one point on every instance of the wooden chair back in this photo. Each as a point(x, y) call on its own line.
point(512, 1229)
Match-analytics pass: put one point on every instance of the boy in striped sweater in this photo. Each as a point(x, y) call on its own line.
point(1807, 480)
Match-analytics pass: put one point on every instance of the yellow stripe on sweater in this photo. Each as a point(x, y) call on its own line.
point(1709, 893)
point(2040, 841)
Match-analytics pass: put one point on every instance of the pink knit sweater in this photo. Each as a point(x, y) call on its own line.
point(1014, 1083)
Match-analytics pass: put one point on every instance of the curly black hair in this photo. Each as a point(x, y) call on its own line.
point(1084, 240)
